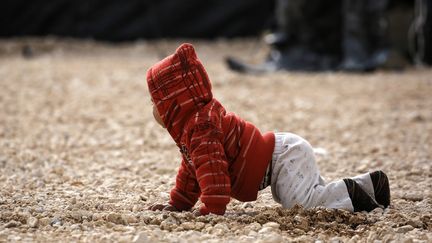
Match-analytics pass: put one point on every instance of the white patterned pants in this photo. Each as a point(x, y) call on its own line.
point(296, 179)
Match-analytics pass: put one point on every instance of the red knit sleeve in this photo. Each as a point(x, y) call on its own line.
point(186, 191)
point(211, 168)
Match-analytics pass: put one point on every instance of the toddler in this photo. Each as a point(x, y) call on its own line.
point(224, 156)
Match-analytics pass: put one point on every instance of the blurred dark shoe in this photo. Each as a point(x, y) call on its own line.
point(276, 40)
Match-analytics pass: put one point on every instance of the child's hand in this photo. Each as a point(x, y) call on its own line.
point(164, 207)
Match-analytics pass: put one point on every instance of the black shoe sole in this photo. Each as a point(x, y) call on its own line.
point(360, 199)
point(381, 187)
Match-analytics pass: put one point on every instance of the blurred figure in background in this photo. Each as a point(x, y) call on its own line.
point(420, 33)
point(347, 35)
point(314, 35)
point(306, 37)
point(364, 43)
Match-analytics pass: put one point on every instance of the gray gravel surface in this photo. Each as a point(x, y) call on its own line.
point(81, 158)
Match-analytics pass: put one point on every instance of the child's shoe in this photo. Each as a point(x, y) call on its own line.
point(360, 199)
point(381, 187)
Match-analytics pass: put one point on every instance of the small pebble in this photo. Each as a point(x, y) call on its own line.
point(199, 226)
point(273, 225)
point(44, 221)
point(40, 210)
point(97, 216)
point(56, 222)
point(188, 225)
point(404, 229)
point(378, 211)
point(254, 226)
point(247, 205)
point(416, 117)
point(354, 239)
point(115, 218)
point(408, 240)
point(168, 223)
point(75, 227)
point(266, 230)
point(130, 219)
point(302, 222)
point(371, 237)
point(12, 224)
point(272, 238)
point(32, 222)
point(413, 196)
point(76, 215)
point(141, 238)
point(415, 222)
point(320, 151)
point(222, 226)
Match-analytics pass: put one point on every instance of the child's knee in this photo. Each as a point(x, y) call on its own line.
point(301, 144)
point(307, 148)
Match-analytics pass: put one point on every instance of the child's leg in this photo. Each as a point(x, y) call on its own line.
point(296, 180)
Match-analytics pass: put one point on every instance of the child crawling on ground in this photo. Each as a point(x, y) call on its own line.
point(224, 156)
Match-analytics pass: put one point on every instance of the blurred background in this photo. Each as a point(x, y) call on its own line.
point(350, 35)
point(115, 20)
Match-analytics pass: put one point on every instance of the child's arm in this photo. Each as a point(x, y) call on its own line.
point(185, 193)
point(211, 168)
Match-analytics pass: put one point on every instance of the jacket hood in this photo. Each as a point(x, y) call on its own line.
point(179, 86)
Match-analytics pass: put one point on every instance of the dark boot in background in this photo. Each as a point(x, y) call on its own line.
point(364, 41)
point(308, 35)
point(307, 38)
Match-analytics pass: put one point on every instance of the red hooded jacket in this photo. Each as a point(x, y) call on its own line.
point(223, 156)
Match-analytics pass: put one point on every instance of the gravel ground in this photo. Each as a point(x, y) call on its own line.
point(81, 157)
